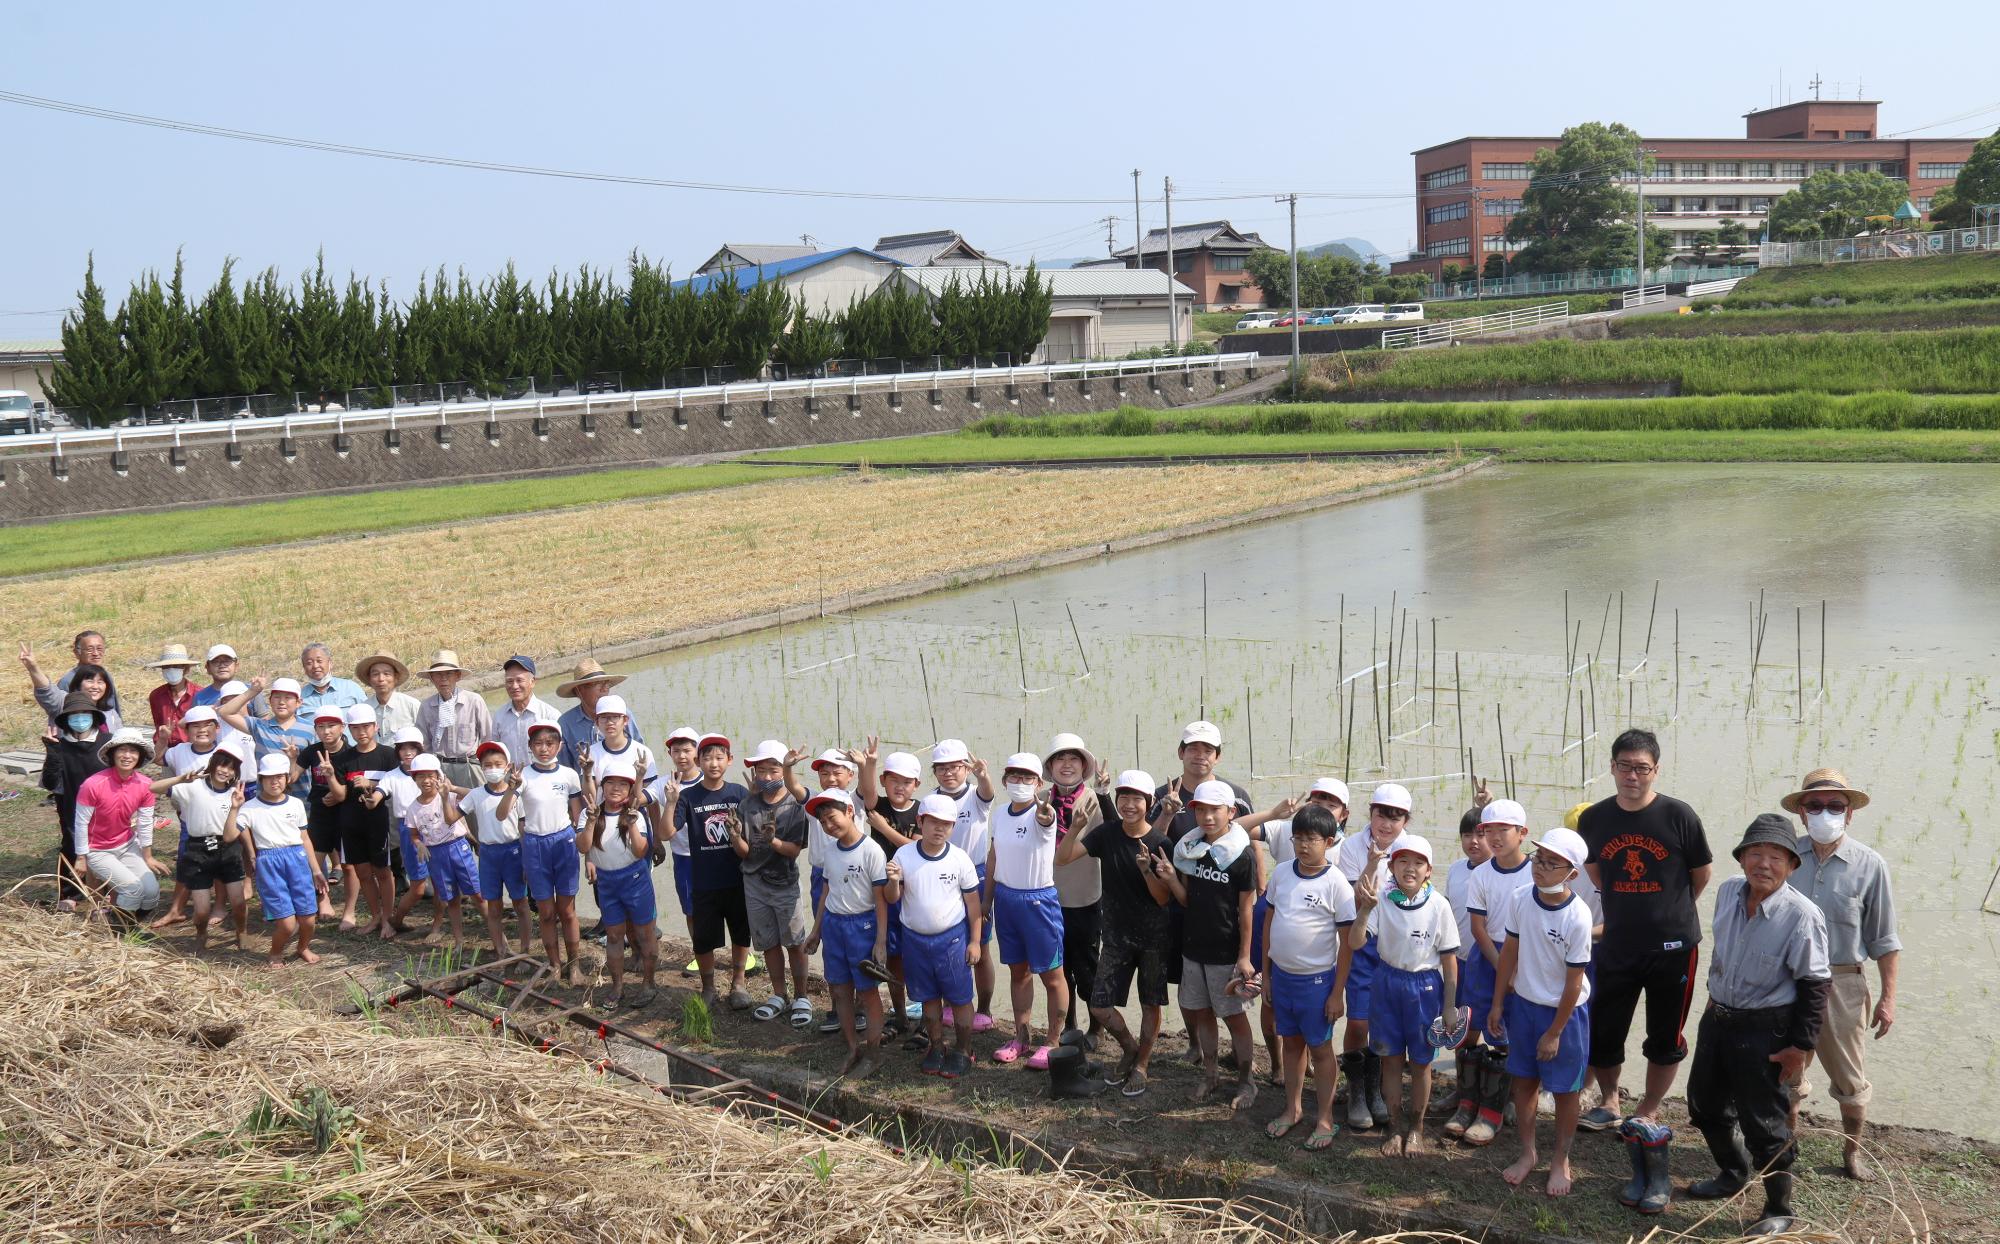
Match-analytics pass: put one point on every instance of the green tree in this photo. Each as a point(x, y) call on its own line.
point(219, 324)
point(759, 319)
point(1324, 280)
point(183, 335)
point(145, 322)
point(1705, 243)
point(1978, 182)
point(1495, 267)
point(267, 306)
point(1026, 315)
point(313, 334)
point(89, 381)
point(1732, 238)
point(809, 342)
point(1836, 205)
point(1574, 209)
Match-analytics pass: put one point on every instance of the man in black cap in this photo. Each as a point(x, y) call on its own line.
point(1767, 986)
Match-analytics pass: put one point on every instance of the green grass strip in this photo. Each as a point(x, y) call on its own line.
point(1856, 318)
point(73, 543)
point(1969, 275)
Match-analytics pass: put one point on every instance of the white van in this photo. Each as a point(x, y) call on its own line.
point(1365, 313)
point(17, 414)
point(1257, 319)
point(1404, 311)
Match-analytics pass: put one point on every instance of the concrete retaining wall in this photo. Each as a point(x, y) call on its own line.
point(208, 467)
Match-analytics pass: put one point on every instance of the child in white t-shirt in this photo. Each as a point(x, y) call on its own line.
point(289, 882)
point(938, 886)
point(1306, 959)
point(850, 926)
point(494, 807)
point(1415, 985)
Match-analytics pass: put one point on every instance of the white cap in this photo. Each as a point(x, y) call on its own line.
point(1202, 732)
point(950, 751)
point(827, 798)
point(1412, 843)
point(1331, 786)
point(617, 767)
point(834, 758)
point(939, 806)
point(610, 704)
point(686, 734)
point(219, 650)
point(239, 748)
point(408, 734)
point(769, 749)
point(1566, 843)
point(1503, 812)
point(1070, 743)
point(1217, 794)
point(1138, 780)
point(279, 685)
point(903, 765)
point(360, 715)
point(200, 713)
point(330, 712)
point(1390, 795)
point(1026, 762)
point(492, 745)
point(234, 687)
point(426, 763)
point(274, 764)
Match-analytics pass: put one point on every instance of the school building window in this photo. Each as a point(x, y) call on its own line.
point(1889, 168)
point(1792, 170)
point(1445, 177)
point(1493, 242)
point(1924, 204)
point(1663, 170)
point(1727, 205)
point(1450, 246)
point(1694, 205)
point(1503, 207)
point(1450, 211)
point(1694, 168)
point(1826, 166)
point(1854, 134)
point(1760, 168)
point(1939, 172)
point(1760, 203)
point(1659, 203)
point(1504, 172)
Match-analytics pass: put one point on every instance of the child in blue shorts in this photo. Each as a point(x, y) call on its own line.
point(1538, 1006)
point(619, 844)
point(494, 808)
point(1415, 986)
point(1306, 960)
point(1388, 816)
point(551, 799)
point(289, 882)
point(850, 925)
point(938, 886)
point(442, 846)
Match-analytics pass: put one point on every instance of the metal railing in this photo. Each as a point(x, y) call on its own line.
point(1645, 295)
point(1585, 281)
point(1705, 289)
point(493, 410)
point(1910, 244)
point(1474, 326)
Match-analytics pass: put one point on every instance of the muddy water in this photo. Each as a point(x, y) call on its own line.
point(1272, 631)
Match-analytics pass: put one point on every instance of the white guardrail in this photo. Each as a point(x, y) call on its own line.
point(1645, 295)
point(1705, 288)
point(1474, 326)
point(612, 403)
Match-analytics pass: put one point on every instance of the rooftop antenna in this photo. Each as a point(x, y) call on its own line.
point(1816, 83)
point(808, 239)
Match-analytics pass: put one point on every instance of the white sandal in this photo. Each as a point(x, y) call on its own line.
point(770, 1009)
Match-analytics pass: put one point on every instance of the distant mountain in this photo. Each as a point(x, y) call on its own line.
point(1357, 249)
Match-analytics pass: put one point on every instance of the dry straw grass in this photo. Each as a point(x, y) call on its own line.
point(568, 581)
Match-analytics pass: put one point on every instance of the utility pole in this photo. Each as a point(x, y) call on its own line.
point(1138, 230)
point(1641, 175)
point(1479, 231)
point(1110, 235)
point(1173, 308)
point(1293, 201)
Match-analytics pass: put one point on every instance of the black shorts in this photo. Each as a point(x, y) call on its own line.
point(198, 867)
point(323, 827)
point(1144, 953)
point(713, 912)
point(365, 840)
point(1665, 978)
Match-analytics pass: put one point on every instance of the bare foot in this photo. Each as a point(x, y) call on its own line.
point(1393, 1147)
point(1524, 1165)
point(1560, 1181)
point(434, 937)
point(387, 931)
point(1414, 1144)
point(276, 961)
point(847, 1065)
point(327, 913)
point(308, 956)
point(572, 974)
point(200, 937)
point(168, 921)
point(1204, 1091)
point(347, 924)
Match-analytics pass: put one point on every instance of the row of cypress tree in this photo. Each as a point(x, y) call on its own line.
point(262, 336)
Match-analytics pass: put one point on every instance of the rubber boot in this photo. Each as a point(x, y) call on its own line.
point(1778, 1217)
point(1069, 1074)
point(1471, 1073)
point(1378, 1107)
point(1494, 1090)
point(1732, 1162)
point(1358, 1117)
point(1656, 1144)
point(1635, 1149)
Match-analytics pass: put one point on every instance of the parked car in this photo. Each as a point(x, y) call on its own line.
point(1303, 318)
point(17, 414)
point(1362, 313)
point(1403, 311)
point(1256, 319)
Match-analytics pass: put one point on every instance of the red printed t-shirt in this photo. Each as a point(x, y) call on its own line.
point(1644, 859)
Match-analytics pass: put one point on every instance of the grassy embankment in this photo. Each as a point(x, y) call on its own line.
point(595, 577)
point(1878, 282)
point(1724, 321)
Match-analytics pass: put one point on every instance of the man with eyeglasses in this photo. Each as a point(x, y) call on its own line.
point(1849, 883)
point(1650, 860)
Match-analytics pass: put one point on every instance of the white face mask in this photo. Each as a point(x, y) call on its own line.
point(174, 675)
point(1826, 827)
point(493, 776)
point(1553, 890)
point(1021, 792)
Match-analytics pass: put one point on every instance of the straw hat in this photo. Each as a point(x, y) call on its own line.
point(173, 654)
point(587, 670)
point(1825, 781)
point(367, 663)
point(445, 662)
point(127, 736)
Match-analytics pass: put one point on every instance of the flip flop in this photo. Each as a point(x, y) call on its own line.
point(1011, 1052)
point(876, 972)
point(1039, 1060)
point(771, 1008)
point(1322, 1138)
point(917, 1041)
point(1278, 1127)
point(1135, 1084)
point(802, 1013)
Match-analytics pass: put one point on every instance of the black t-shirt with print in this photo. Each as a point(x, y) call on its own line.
point(1127, 905)
point(1643, 860)
point(351, 763)
point(903, 820)
point(1211, 933)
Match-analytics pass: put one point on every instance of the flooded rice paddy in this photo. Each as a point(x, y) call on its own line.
point(1483, 627)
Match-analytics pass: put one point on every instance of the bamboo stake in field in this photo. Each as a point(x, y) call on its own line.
point(1389, 660)
point(1677, 664)
point(1590, 681)
point(1020, 648)
point(1501, 725)
point(1292, 717)
point(1618, 654)
point(1582, 748)
point(1822, 646)
point(1458, 711)
point(1249, 731)
point(1799, 634)
point(1650, 611)
point(1078, 636)
point(1375, 695)
point(923, 671)
point(1603, 625)
point(1347, 743)
point(1340, 663)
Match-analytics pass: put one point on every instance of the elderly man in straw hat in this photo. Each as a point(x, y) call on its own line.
point(1767, 988)
point(454, 721)
point(1849, 883)
point(579, 724)
point(383, 675)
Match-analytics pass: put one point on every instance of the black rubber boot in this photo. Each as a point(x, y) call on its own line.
point(1471, 1074)
point(1378, 1107)
point(1635, 1149)
point(1732, 1161)
point(1778, 1217)
point(1351, 1067)
point(1069, 1074)
point(1656, 1141)
point(1495, 1087)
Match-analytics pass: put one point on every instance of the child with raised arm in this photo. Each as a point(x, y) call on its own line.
point(850, 925)
point(442, 847)
point(1020, 871)
point(203, 796)
point(938, 886)
point(887, 789)
point(963, 779)
point(494, 807)
point(1415, 984)
point(619, 843)
point(1213, 874)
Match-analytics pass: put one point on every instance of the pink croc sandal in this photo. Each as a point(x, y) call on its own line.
point(981, 1021)
point(1039, 1060)
point(947, 1015)
point(1010, 1052)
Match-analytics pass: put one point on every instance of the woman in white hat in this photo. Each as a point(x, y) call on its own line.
point(114, 825)
point(171, 700)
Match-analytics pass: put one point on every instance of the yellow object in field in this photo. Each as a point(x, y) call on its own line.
point(1684, 310)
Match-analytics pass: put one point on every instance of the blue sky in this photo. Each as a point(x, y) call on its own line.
point(1026, 100)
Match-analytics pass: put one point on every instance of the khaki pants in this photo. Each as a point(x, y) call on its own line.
point(1841, 1040)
